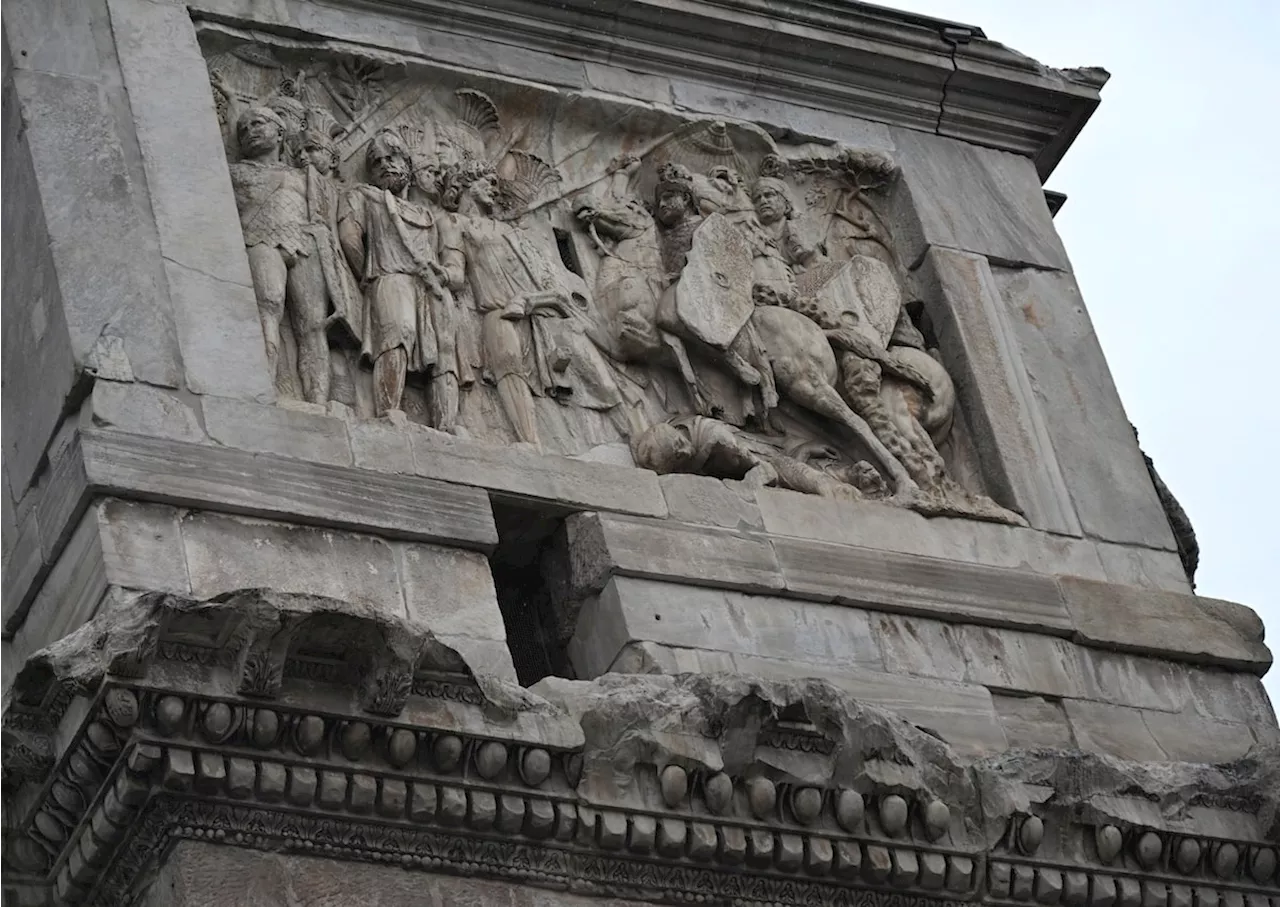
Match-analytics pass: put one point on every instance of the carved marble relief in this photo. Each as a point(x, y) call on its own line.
point(587, 277)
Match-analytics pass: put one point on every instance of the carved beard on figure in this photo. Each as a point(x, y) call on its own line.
point(391, 174)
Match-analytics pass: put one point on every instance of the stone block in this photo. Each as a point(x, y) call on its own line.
point(1006, 421)
point(1134, 680)
point(780, 116)
point(962, 714)
point(1112, 729)
point(1187, 737)
point(522, 475)
point(271, 486)
point(69, 596)
point(1094, 442)
point(1009, 660)
point(603, 545)
point(52, 37)
point(962, 196)
point(882, 580)
point(449, 591)
point(182, 153)
point(275, 429)
point(100, 235)
point(220, 334)
point(885, 528)
point(708, 502)
point(22, 568)
point(8, 515)
point(142, 546)
point(1231, 696)
point(920, 647)
point(63, 491)
point(377, 444)
point(145, 410)
point(1031, 722)
point(1021, 662)
point(38, 364)
point(630, 610)
point(225, 554)
point(1131, 565)
point(1160, 623)
point(652, 89)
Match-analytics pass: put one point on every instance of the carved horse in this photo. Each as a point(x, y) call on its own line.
point(805, 371)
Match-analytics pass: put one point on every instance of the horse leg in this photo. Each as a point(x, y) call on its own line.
point(675, 346)
point(820, 397)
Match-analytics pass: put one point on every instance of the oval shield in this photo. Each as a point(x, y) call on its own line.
point(713, 296)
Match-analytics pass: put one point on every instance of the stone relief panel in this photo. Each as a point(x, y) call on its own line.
point(586, 277)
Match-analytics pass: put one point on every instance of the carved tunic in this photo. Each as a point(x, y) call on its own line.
point(272, 199)
point(503, 270)
point(399, 240)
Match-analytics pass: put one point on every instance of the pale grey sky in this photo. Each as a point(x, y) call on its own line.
point(1170, 223)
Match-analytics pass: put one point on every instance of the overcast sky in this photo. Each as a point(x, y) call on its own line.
point(1170, 222)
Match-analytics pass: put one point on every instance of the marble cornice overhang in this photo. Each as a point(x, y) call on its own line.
point(857, 59)
point(694, 789)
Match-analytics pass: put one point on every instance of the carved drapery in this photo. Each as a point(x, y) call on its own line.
point(579, 274)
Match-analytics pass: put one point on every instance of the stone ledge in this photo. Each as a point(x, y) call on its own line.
point(1164, 624)
point(1106, 616)
point(269, 485)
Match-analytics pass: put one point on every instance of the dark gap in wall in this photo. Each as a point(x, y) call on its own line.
point(525, 591)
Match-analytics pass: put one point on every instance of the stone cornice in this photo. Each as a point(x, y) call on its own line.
point(149, 767)
point(852, 58)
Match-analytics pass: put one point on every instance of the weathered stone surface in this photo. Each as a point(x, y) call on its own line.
point(22, 567)
point(142, 545)
point(62, 491)
point(1135, 680)
point(780, 116)
point(709, 502)
point(272, 486)
point(448, 591)
point(604, 545)
point(1096, 449)
point(199, 234)
point(101, 239)
point(974, 199)
point(38, 363)
point(1005, 417)
point(628, 610)
point(1186, 737)
point(380, 445)
point(525, 475)
point(275, 429)
point(1114, 730)
point(1163, 623)
point(145, 410)
point(67, 599)
point(1031, 722)
point(53, 37)
point(220, 334)
point(1132, 565)
point(962, 714)
point(997, 658)
point(226, 553)
point(172, 107)
point(920, 585)
point(871, 525)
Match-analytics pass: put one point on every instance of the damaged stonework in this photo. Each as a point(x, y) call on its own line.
point(708, 788)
